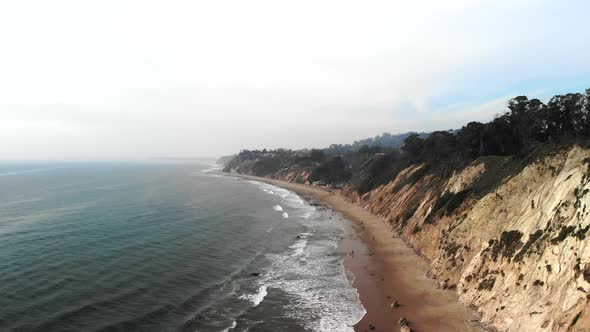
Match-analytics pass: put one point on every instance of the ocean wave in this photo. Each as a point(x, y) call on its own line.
point(213, 168)
point(233, 325)
point(301, 207)
point(290, 198)
point(310, 272)
point(281, 192)
point(298, 247)
point(257, 298)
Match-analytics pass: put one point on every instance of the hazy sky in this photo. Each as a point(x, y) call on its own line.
point(135, 79)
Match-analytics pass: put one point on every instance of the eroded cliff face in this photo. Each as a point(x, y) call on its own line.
point(516, 246)
point(289, 174)
point(297, 176)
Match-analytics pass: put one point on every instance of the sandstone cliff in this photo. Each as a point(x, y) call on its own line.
point(510, 235)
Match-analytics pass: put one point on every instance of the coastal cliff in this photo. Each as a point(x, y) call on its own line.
point(514, 247)
point(508, 233)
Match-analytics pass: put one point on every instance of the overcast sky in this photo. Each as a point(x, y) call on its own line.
point(138, 79)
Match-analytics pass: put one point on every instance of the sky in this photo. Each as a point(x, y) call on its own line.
point(84, 80)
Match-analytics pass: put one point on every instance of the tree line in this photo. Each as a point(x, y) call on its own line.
point(527, 123)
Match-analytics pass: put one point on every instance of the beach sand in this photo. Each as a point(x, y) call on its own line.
point(386, 269)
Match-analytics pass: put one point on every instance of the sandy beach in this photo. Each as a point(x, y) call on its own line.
point(386, 269)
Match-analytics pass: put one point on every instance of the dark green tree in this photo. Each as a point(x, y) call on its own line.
point(413, 147)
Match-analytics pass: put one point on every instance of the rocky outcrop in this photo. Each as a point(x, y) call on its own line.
point(510, 235)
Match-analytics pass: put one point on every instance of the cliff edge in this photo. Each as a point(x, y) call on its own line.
point(509, 234)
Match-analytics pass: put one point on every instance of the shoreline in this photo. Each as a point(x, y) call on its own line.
point(385, 270)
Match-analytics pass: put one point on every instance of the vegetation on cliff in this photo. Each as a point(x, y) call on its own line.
point(527, 126)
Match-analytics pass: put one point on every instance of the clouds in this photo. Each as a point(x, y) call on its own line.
point(182, 78)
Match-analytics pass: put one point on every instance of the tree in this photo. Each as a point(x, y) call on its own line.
point(519, 121)
point(317, 155)
point(413, 146)
point(538, 123)
point(440, 145)
point(470, 140)
point(333, 170)
point(585, 125)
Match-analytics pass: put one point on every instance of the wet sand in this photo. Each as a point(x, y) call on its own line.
point(386, 269)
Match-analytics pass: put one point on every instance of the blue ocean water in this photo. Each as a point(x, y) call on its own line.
point(165, 247)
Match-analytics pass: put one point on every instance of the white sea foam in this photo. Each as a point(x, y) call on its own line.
point(300, 207)
point(213, 168)
point(277, 208)
point(311, 272)
point(213, 171)
point(298, 247)
point(233, 325)
point(257, 298)
point(290, 198)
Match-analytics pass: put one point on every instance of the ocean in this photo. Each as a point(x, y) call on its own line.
point(165, 247)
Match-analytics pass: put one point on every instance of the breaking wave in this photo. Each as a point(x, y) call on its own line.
point(257, 298)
